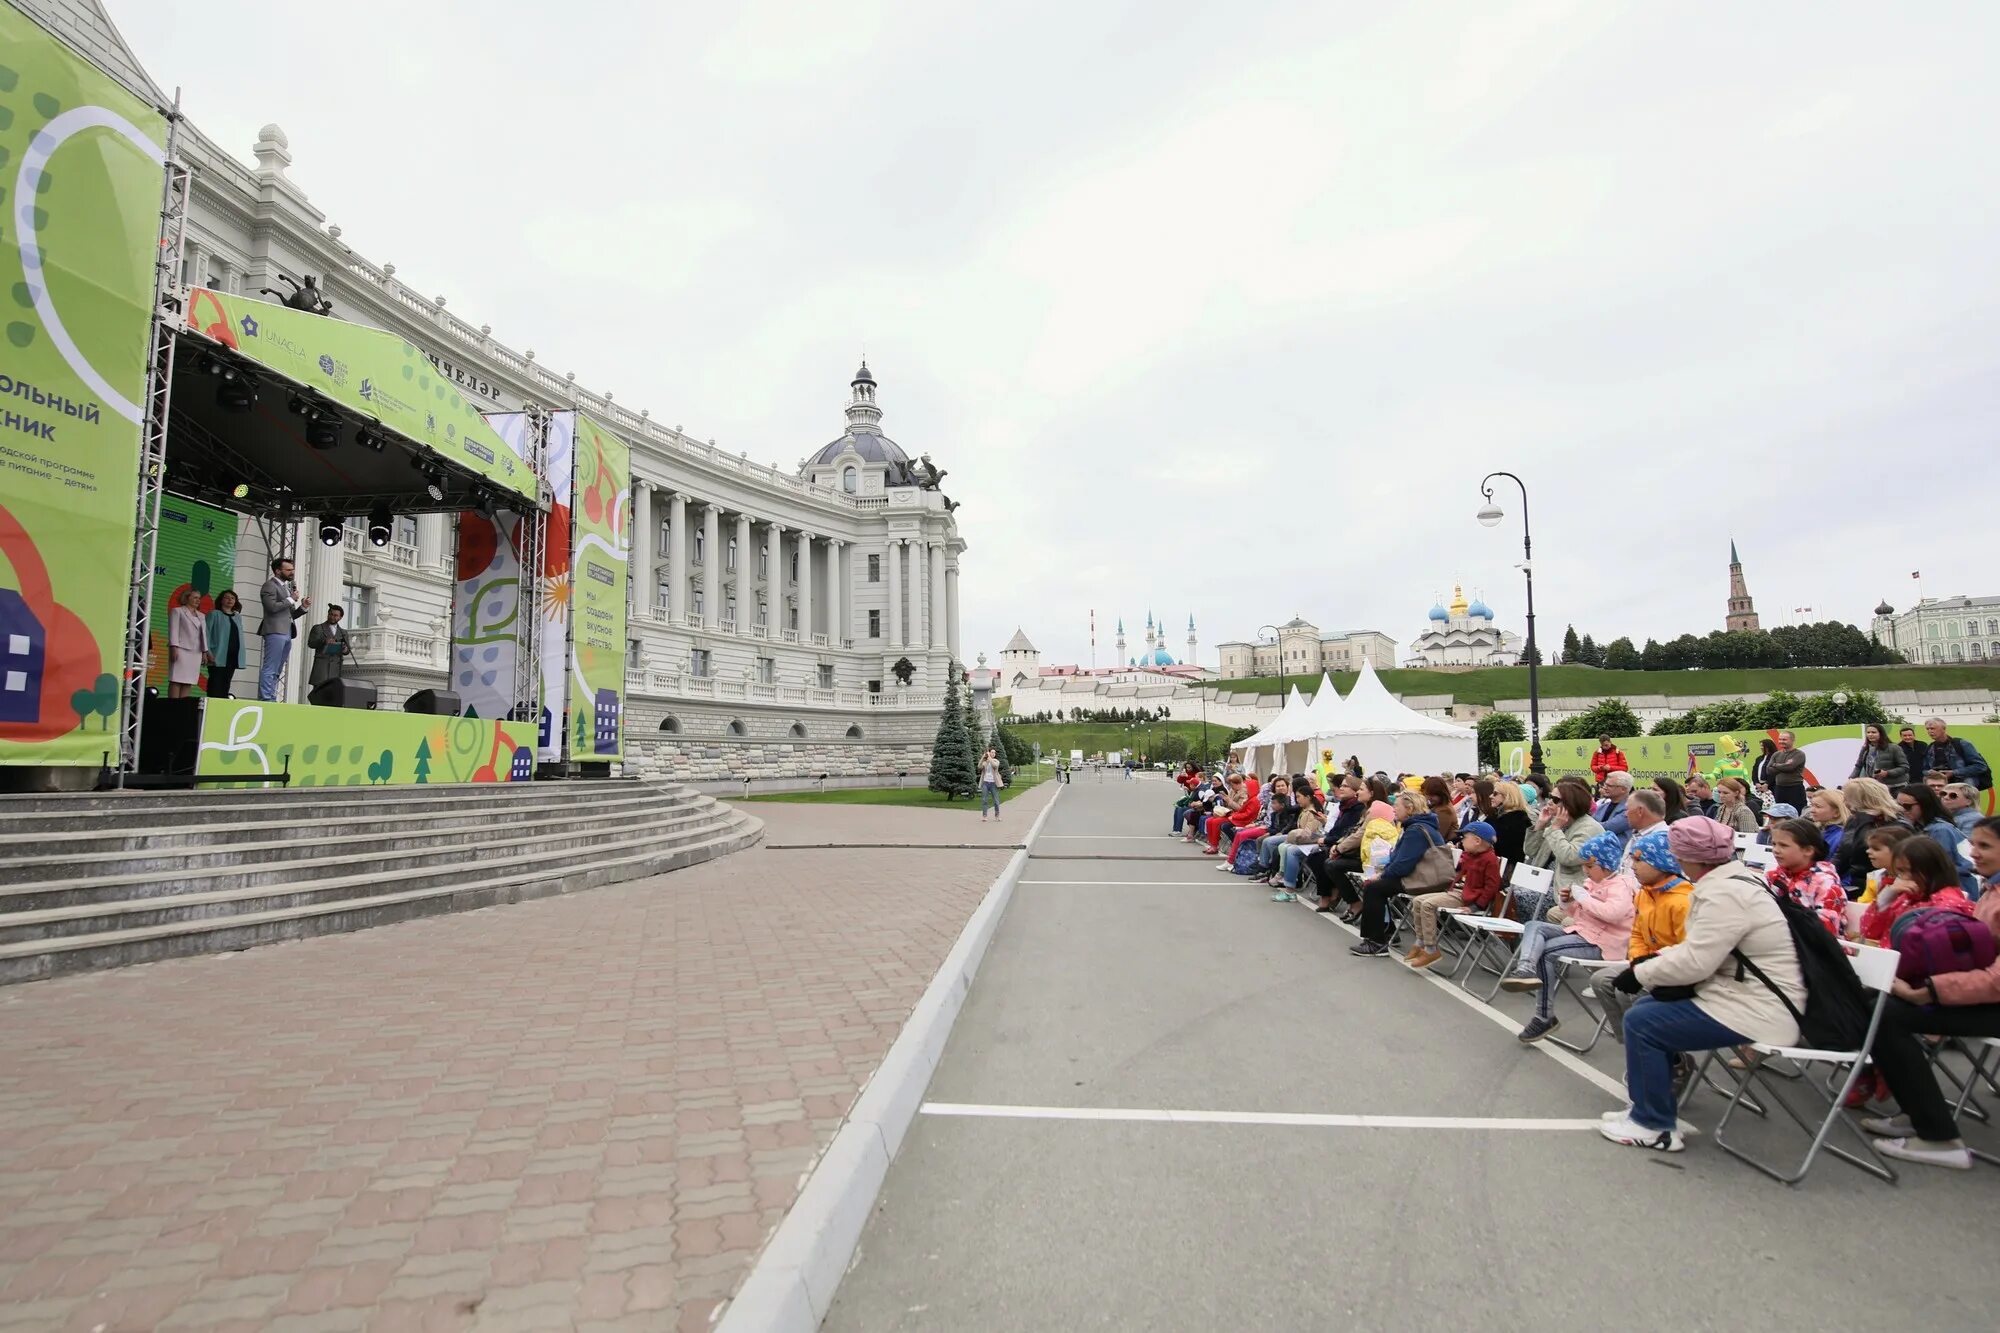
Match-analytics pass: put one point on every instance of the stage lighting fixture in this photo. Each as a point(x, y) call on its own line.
point(299, 405)
point(322, 430)
point(369, 437)
point(240, 491)
point(433, 479)
point(380, 520)
point(482, 500)
point(234, 394)
point(331, 527)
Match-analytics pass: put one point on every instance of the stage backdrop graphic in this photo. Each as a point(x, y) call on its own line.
point(368, 372)
point(1830, 754)
point(81, 166)
point(348, 747)
point(486, 601)
point(558, 464)
point(197, 549)
point(601, 522)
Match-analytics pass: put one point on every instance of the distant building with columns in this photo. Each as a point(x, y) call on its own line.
point(774, 611)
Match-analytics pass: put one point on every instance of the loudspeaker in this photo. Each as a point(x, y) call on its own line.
point(169, 736)
point(341, 692)
point(441, 702)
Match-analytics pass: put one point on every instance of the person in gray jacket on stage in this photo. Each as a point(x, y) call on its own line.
point(282, 607)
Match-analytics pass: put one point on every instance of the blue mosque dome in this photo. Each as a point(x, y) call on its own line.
point(1160, 657)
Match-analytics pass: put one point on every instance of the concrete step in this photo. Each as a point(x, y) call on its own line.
point(57, 802)
point(50, 881)
point(214, 900)
point(251, 807)
point(38, 959)
point(105, 838)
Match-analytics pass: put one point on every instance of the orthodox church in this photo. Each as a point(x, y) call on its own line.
point(1463, 634)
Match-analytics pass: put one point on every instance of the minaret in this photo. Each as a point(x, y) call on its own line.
point(1120, 642)
point(1190, 658)
point(1742, 614)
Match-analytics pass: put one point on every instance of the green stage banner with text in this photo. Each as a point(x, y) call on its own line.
point(82, 163)
point(600, 519)
point(349, 747)
point(1830, 754)
point(368, 372)
point(196, 550)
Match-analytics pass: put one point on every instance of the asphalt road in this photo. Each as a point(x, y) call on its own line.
point(1130, 979)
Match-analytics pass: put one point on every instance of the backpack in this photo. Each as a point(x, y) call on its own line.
point(1246, 856)
point(1838, 1007)
point(1933, 940)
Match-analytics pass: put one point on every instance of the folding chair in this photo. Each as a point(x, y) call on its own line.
point(1875, 968)
point(1566, 980)
point(1980, 1050)
point(1493, 941)
point(1759, 858)
point(1744, 842)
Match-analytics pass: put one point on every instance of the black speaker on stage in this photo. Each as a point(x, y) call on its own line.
point(341, 692)
point(169, 737)
point(441, 702)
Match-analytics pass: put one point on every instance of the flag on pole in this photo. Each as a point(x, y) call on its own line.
point(1915, 574)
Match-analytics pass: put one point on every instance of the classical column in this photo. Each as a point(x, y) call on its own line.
point(746, 578)
point(836, 620)
point(325, 581)
point(677, 555)
point(640, 571)
point(938, 637)
point(711, 567)
point(805, 587)
point(951, 610)
point(894, 557)
point(430, 540)
point(774, 578)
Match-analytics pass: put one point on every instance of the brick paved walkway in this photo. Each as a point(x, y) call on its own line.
point(582, 1112)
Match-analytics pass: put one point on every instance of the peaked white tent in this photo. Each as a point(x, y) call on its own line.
point(1257, 751)
point(1321, 718)
point(1395, 738)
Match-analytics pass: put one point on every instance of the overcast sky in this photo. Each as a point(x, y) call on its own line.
point(1226, 309)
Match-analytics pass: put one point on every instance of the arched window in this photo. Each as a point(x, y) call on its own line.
point(854, 733)
point(798, 731)
point(736, 727)
point(1931, 631)
point(1993, 627)
point(850, 480)
point(1957, 652)
point(671, 725)
point(1952, 629)
point(1971, 628)
point(1978, 650)
point(1937, 653)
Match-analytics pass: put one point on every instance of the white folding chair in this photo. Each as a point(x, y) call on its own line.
point(1980, 1050)
point(1875, 968)
point(1493, 941)
point(1567, 980)
point(1759, 857)
point(1744, 842)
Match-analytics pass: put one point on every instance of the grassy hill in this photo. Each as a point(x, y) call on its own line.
point(1103, 737)
point(1486, 685)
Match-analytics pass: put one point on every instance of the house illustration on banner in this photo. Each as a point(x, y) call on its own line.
point(608, 712)
point(23, 654)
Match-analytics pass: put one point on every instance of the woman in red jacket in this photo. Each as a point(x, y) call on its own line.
point(1952, 1004)
point(1609, 759)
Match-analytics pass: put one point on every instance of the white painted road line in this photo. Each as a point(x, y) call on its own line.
point(1127, 883)
point(1305, 1119)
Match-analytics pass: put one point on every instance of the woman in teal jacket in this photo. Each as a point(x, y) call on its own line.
point(225, 643)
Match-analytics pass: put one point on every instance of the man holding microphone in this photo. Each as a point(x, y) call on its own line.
point(282, 606)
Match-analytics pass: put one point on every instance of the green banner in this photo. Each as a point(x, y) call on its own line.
point(1830, 754)
point(349, 747)
point(81, 169)
point(368, 372)
point(600, 519)
point(196, 551)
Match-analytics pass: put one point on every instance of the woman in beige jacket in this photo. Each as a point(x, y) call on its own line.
point(1732, 911)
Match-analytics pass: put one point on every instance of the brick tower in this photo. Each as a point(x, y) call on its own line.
point(1742, 614)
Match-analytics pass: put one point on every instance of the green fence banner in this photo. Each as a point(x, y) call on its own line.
point(347, 747)
point(371, 373)
point(601, 520)
point(82, 162)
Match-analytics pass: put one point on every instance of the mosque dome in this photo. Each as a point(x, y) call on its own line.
point(1160, 657)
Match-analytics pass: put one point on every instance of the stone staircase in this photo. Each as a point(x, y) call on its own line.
point(105, 880)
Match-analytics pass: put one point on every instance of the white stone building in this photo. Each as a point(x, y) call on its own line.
point(1301, 650)
point(1942, 629)
point(774, 615)
point(1463, 634)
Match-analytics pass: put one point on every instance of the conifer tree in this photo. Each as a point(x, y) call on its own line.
point(953, 769)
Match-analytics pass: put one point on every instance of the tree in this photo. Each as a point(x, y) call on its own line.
point(1606, 717)
point(1620, 655)
point(1588, 653)
point(423, 770)
point(1819, 710)
point(1494, 730)
point(952, 766)
point(1572, 647)
point(1014, 750)
point(1775, 711)
point(998, 744)
point(1531, 653)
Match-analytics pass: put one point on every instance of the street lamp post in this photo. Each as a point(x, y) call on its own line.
point(1281, 660)
point(1490, 514)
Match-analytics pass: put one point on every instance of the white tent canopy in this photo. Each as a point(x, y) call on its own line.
point(1321, 718)
point(1394, 738)
point(1253, 747)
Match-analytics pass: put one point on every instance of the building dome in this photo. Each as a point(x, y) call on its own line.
point(1438, 613)
point(1479, 610)
point(1885, 610)
point(1160, 657)
point(873, 448)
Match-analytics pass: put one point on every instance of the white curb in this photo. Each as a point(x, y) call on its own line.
point(791, 1286)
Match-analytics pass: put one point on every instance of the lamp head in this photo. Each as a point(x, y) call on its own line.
point(1490, 514)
